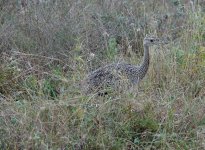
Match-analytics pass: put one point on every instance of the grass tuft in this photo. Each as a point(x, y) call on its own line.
point(48, 48)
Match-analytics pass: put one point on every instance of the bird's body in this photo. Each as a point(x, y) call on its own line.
point(114, 76)
point(119, 75)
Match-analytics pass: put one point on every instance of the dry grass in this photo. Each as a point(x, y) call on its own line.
point(46, 51)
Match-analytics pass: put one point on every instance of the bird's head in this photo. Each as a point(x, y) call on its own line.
point(152, 40)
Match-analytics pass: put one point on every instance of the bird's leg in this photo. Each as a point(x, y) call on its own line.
point(131, 90)
point(134, 90)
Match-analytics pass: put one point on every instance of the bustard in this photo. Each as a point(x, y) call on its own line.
point(120, 75)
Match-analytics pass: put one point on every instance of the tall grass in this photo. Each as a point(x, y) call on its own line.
point(46, 49)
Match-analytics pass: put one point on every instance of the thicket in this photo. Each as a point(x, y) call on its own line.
point(47, 47)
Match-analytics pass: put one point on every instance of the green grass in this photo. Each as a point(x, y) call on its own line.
point(46, 51)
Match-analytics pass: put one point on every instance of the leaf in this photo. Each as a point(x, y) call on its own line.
point(80, 113)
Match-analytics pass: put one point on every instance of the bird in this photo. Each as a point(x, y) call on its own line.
point(120, 75)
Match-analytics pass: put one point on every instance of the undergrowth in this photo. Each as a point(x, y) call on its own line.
point(48, 48)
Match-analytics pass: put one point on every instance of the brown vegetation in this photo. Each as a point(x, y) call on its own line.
point(46, 48)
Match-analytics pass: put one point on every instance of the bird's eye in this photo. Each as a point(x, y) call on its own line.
point(151, 40)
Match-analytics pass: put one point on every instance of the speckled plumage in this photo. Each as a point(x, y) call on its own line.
point(119, 75)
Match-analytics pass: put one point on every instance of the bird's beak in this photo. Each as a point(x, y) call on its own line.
point(164, 41)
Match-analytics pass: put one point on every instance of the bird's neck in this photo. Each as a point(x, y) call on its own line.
point(146, 56)
point(145, 63)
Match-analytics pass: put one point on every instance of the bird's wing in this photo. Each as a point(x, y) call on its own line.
point(100, 75)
